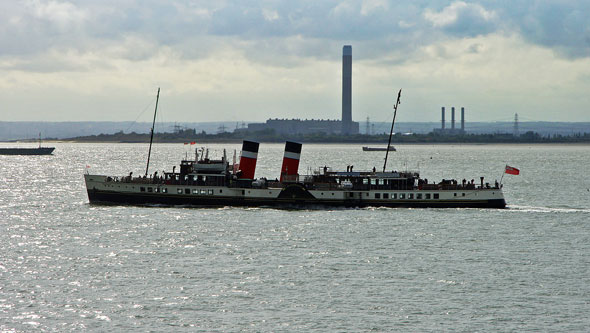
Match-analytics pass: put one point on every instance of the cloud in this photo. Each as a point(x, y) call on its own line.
point(562, 26)
point(463, 19)
point(270, 15)
point(401, 25)
point(292, 49)
point(62, 14)
point(369, 7)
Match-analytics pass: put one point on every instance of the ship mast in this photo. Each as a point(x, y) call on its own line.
point(152, 135)
point(399, 95)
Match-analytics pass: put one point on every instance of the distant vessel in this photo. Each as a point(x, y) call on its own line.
point(391, 148)
point(205, 182)
point(28, 151)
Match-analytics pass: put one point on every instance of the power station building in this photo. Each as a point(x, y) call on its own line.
point(443, 130)
point(345, 126)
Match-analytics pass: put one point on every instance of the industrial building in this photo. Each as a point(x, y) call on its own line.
point(345, 126)
point(443, 130)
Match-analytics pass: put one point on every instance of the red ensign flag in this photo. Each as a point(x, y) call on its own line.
point(511, 171)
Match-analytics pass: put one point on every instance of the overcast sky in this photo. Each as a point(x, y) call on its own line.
point(253, 60)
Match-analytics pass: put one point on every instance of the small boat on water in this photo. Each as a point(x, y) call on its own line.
point(391, 148)
point(27, 151)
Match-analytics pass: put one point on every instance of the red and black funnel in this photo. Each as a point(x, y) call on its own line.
point(291, 159)
point(248, 159)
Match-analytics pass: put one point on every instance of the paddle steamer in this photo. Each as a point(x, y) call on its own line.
point(205, 182)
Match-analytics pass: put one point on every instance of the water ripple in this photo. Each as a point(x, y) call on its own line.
point(66, 265)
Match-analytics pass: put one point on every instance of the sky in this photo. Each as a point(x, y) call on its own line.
point(225, 60)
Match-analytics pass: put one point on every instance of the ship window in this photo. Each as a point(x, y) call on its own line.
point(179, 191)
point(427, 196)
point(220, 191)
point(402, 195)
point(381, 181)
point(187, 191)
point(385, 195)
point(377, 195)
point(142, 189)
point(210, 192)
point(373, 181)
point(462, 194)
point(418, 195)
point(394, 195)
point(157, 190)
point(203, 191)
point(351, 194)
point(150, 189)
point(435, 195)
point(165, 190)
point(410, 195)
point(365, 181)
point(195, 191)
point(454, 194)
point(243, 192)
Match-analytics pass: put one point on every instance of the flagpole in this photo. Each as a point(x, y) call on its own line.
point(503, 173)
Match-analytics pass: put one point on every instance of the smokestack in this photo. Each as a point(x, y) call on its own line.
point(248, 159)
point(443, 117)
point(453, 118)
point(291, 159)
point(346, 89)
point(462, 119)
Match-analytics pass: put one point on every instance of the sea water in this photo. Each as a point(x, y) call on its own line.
point(66, 265)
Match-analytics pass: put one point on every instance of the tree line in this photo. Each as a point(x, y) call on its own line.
point(269, 135)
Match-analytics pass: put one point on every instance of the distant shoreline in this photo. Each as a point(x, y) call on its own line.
point(323, 143)
point(269, 136)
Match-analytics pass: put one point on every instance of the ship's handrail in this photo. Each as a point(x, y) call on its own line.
point(306, 180)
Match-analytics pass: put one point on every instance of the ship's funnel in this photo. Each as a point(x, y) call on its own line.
point(248, 159)
point(290, 161)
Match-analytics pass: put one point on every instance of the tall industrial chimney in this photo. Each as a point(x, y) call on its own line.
point(346, 89)
point(462, 119)
point(453, 118)
point(442, 117)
